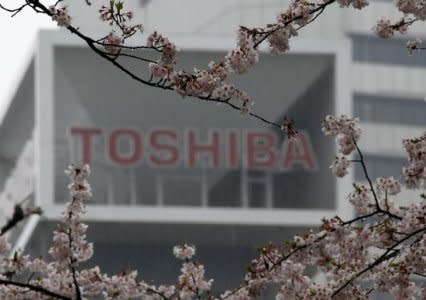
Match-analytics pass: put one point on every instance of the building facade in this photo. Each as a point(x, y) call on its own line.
point(168, 170)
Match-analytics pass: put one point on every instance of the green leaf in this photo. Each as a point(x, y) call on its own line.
point(289, 243)
point(119, 5)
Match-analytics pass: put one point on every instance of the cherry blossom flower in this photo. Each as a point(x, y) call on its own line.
point(413, 45)
point(184, 251)
point(384, 28)
point(241, 59)
point(112, 43)
point(361, 199)
point(60, 16)
point(415, 172)
point(339, 166)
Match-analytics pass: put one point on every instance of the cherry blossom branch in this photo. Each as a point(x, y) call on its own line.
point(269, 267)
point(72, 260)
point(162, 86)
point(112, 58)
point(238, 61)
point(272, 260)
point(370, 183)
point(382, 258)
point(386, 29)
point(76, 286)
point(361, 218)
point(366, 175)
point(319, 8)
point(34, 288)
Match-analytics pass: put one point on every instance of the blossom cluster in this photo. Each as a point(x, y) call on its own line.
point(347, 132)
point(415, 172)
point(167, 48)
point(241, 59)
point(112, 43)
point(184, 251)
point(352, 257)
point(414, 7)
point(358, 4)
point(340, 165)
point(413, 11)
point(388, 186)
point(120, 20)
point(62, 278)
point(60, 15)
point(385, 28)
point(361, 200)
point(208, 82)
point(413, 45)
point(69, 239)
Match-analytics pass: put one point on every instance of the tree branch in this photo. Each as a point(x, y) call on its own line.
point(384, 257)
point(34, 288)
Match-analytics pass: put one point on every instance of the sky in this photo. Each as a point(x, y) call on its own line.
point(19, 36)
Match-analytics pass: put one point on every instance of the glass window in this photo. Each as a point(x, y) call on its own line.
point(257, 194)
point(390, 109)
point(370, 49)
point(380, 166)
point(181, 191)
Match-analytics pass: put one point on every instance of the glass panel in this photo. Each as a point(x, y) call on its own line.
point(182, 191)
point(380, 166)
point(372, 50)
point(257, 194)
point(389, 109)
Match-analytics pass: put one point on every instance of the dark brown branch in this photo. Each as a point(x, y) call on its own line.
point(71, 263)
point(34, 288)
point(313, 18)
point(370, 183)
point(132, 56)
point(360, 218)
point(152, 291)
point(320, 8)
point(100, 42)
point(93, 44)
point(11, 10)
point(14, 11)
point(366, 174)
point(76, 286)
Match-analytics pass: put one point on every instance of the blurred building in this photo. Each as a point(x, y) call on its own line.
point(386, 82)
point(168, 170)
